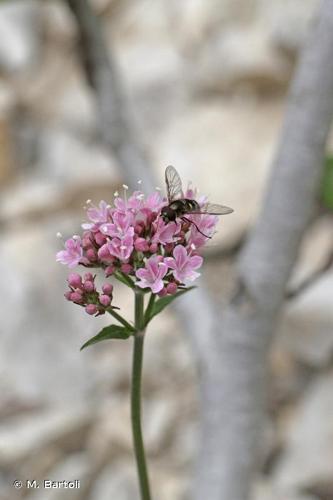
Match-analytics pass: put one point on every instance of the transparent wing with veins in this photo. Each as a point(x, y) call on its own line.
point(213, 209)
point(173, 184)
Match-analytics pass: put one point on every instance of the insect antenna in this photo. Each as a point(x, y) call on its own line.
point(191, 222)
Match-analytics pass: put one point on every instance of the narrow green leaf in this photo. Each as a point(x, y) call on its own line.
point(124, 279)
point(327, 184)
point(161, 303)
point(109, 332)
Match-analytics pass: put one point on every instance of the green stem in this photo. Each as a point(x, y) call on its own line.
point(136, 397)
point(149, 308)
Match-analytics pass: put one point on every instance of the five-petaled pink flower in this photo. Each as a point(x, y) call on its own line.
point(183, 264)
point(165, 233)
point(73, 253)
point(121, 248)
point(152, 274)
point(97, 215)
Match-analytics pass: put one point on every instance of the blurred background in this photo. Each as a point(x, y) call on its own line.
point(206, 84)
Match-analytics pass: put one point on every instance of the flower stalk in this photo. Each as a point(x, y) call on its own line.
point(139, 450)
point(148, 245)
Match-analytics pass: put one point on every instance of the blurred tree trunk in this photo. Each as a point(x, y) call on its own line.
point(232, 350)
point(234, 404)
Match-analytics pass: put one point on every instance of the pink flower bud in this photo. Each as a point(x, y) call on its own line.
point(75, 280)
point(76, 297)
point(68, 295)
point(87, 240)
point(153, 248)
point(172, 288)
point(104, 254)
point(126, 268)
point(91, 309)
point(107, 288)
point(141, 245)
point(163, 292)
point(91, 255)
point(105, 300)
point(89, 286)
point(139, 227)
point(100, 239)
point(109, 271)
point(88, 277)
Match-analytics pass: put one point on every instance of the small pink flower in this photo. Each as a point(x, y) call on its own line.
point(121, 248)
point(154, 202)
point(73, 253)
point(97, 216)
point(134, 202)
point(165, 233)
point(141, 245)
point(151, 276)
point(183, 265)
point(121, 226)
point(206, 224)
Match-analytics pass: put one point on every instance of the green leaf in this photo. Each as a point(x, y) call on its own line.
point(327, 184)
point(109, 332)
point(161, 303)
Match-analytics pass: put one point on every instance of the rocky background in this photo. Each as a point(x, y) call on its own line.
point(206, 82)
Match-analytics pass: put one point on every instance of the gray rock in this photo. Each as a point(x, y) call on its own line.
point(308, 454)
point(19, 25)
point(307, 326)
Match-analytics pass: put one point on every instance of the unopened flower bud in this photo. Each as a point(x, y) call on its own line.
point(107, 288)
point(126, 268)
point(75, 280)
point(89, 286)
point(68, 295)
point(141, 245)
point(76, 297)
point(138, 229)
point(88, 277)
point(100, 239)
point(172, 288)
point(103, 253)
point(163, 292)
point(109, 271)
point(105, 300)
point(91, 255)
point(91, 309)
point(87, 240)
point(153, 248)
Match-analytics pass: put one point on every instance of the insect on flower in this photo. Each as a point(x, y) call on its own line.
point(179, 206)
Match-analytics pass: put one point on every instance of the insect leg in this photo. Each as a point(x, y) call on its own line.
point(191, 222)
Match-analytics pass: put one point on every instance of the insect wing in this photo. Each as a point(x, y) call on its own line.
point(214, 209)
point(173, 184)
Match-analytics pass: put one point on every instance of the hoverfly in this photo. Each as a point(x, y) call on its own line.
point(179, 206)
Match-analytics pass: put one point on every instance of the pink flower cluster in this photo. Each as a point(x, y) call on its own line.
point(83, 292)
point(131, 238)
